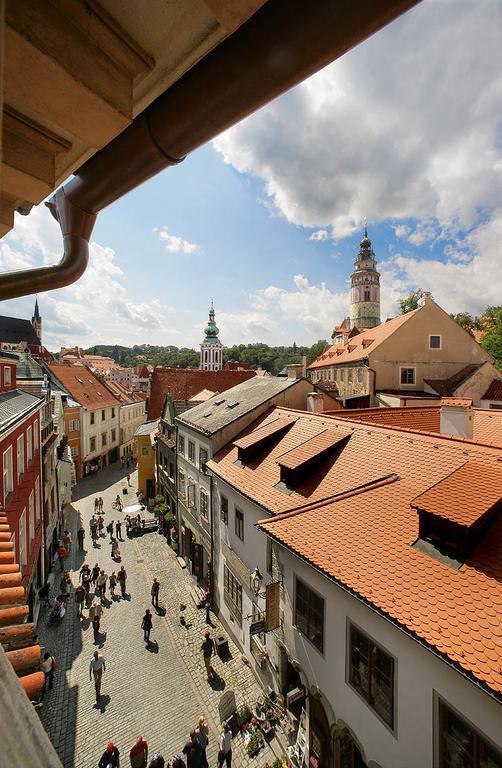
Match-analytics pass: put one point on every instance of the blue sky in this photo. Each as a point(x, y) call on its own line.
point(404, 130)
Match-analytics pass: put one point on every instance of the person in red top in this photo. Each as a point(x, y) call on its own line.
point(62, 552)
point(139, 753)
point(128, 479)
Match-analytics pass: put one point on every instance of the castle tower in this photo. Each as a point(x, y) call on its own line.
point(36, 322)
point(365, 288)
point(211, 349)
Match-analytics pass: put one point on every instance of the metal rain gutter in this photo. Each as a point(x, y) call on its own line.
point(285, 42)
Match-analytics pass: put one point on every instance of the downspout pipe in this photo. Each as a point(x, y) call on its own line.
point(283, 43)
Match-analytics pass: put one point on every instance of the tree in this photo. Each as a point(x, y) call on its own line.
point(490, 324)
point(411, 302)
point(316, 350)
point(466, 320)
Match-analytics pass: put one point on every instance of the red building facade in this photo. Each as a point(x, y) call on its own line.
point(21, 479)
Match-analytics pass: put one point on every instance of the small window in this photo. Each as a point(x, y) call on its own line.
point(29, 444)
point(103, 438)
point(309, 614)
point(35, 435)
point(103, 415)
point(407, 375)
point(7, 375)
point(204, 504)
point(239, 524)
point(92, 446)
point(181, 485)
point(114, 435)
point(202, 458)
point(181, 444)
point(232, 593)
point(224, 510)
point(20, 457)
point(113, 413)
point(74, 451)
point(460, 744)
point(92, 417)
point(269, 555)
point(192, 502)
point(8, 478)
point(434, 342)
point(371, 673)
point(191, 451)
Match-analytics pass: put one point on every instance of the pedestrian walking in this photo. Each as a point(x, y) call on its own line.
point(81, 537)
point(113, 583)
point(100, 507)
point(62, 552)
point(118, 503)
point(67, 541)
point(225, 747)
point(115, 550)
point(85, 570)
point(193, 751)
point(207, 648)
point(48, 667)
point(110, 757)
point(139, 753)
point(202, 732)
point(158, 761)
point(128, 479)
point(155, 594)
point(146, 625)
point(93, 525)
point(95, 573)
point(118, 530)
point(101, 584)
point(65, 582)
point(96, 504)
point(86, 583)
point(109, 529)
point(43, 594)
point(79, 599)
point(95, 614)
point(101, 525)
point(96, 669)
point(122, 577)
point(128, 462)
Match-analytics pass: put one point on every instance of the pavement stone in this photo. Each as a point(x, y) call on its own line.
point(158, 692)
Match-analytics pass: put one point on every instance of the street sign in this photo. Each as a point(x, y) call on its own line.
point(257, 626)
point(226, 705)
point(272, 597)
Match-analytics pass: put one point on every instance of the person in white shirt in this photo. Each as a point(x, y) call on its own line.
point(96, 668)
point(225, 747)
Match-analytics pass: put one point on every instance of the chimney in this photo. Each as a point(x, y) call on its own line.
point(456, 417)
point(315, 402)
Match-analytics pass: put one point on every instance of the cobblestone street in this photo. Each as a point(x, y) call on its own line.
point(157, 692)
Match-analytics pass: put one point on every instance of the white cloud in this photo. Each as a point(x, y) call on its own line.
point(320, 234)
point(175, 244)
point(401, 230)
point(374, 135)
point(98, 308)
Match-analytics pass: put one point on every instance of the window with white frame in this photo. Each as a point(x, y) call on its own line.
point(74, 426)
point(181, 444)
point(74, 451)
point(37, 499)
point(91, 418)
point(29, 444)
point(232, 593)
point(8, 475)
point(434, 341)
point(239, 524)
point(92, 445)
point(35, 435)
point(31, 515)
point(204, 504)
point(191, 451)
point(20, 456)
point(7, 375)
point(181, 485)
point(407, 375)
point(224, 509)
point(22, 540)
point(192, 501)
point(202, 457)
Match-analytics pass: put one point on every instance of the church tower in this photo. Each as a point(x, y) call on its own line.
point(211, 349)
point(365, 288)
point(36, 322)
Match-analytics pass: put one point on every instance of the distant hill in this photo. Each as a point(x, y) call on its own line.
point(272, 359)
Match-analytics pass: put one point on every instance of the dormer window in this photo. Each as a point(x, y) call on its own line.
point(249, 446)
point(295, 464)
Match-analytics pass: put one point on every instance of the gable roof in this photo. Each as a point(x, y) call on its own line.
point(367, 340)
point(228, 406)
point(447, 387)
point(83, 385)
point(14, 330)
point(352, 520)
point(125, 397)
point(184, 383)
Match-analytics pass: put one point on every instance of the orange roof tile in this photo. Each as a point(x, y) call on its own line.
point(494, 391)
point(83, 385)
point(326, 522)
point(308, 450)
point(464, 496)
point(262, 433)
point(184, 383)
point(457, 402)
point(359, 344)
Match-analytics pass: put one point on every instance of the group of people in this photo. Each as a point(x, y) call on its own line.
point(194, 751)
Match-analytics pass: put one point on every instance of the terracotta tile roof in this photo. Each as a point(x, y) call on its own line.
point(83, 385)
point(125, 397)
point(494, 391)
point(362, 539)
point(457, 402)
point(447, 387)
point(359, 344)
point(16, 635)
point(184, 383)
point(255, 437)
point(308, 450)
point(487, 428)
point(465, 496)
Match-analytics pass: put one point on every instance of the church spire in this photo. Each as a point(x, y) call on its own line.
point(36, 321)
point(211, 349)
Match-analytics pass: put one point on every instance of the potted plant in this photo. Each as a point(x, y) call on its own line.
point(255, 743)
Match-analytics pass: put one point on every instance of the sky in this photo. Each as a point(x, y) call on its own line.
point(405, 131)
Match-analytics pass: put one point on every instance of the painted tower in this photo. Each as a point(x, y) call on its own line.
point(36, 322)
point(211, 349)
point(365, 288)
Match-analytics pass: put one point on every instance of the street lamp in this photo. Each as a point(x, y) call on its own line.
point(256, 580)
